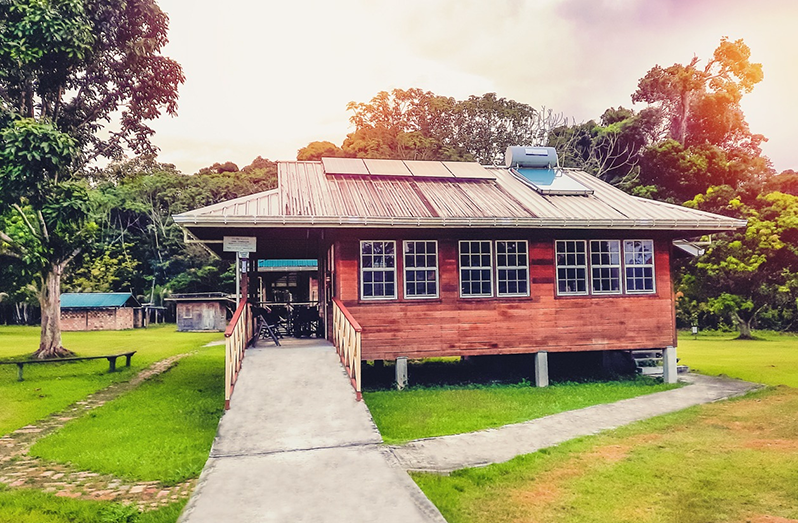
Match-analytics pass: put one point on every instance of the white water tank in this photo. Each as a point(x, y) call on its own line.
point(521, 156)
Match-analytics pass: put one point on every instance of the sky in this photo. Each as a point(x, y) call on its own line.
point(265, 78)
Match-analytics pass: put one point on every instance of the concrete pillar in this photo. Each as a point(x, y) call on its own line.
point(669, 370)
point(542, 369)
point(401, 373)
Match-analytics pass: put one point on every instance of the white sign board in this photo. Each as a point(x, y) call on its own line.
point(240, 244)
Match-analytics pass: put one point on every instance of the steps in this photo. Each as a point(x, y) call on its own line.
point(649, 362)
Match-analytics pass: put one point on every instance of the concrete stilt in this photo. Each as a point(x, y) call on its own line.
point(542, 369)
point(401, 373)
point(669, 370)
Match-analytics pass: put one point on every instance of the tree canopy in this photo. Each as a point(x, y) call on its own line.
point(420, 125)
point(69, 69)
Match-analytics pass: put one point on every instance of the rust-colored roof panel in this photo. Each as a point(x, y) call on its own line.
point(309, 195)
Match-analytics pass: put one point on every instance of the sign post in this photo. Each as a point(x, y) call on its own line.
point(242, 246)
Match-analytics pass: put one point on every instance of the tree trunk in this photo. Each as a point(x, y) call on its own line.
point(743, 326)
point(50, 301)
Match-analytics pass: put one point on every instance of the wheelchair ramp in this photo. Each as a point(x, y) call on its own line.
point(297, 446)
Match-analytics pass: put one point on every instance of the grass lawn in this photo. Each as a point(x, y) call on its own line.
point(734, 461)
point(52, 387)
point(30, 506)
point(162, 430)
point(436, 411)
point(772, 359)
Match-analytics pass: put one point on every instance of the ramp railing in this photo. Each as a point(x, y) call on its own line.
point(346, 338)
point(238, 336)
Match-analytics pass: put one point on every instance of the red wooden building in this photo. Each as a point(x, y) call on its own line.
point(458, 259)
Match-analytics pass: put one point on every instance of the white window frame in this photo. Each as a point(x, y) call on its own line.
point(524, 267)
point(626, 266)
point(364, 270)
point(461, 268)
point(405, 270)
point(619, 266)
point(566, 266)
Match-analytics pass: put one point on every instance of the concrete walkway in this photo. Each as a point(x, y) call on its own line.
point(296, 446)
point(476, 449)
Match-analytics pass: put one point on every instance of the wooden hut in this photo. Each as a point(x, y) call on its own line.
point(198, 312)
point(458, 259)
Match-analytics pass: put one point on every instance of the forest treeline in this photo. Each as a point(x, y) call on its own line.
point(687, 143)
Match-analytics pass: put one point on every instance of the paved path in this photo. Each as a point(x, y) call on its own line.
point(296, 446)
point(485, 447)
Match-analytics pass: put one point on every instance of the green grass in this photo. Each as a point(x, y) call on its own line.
point(437, 411)
point(771, 359)
point(162, 430)
point(30, 506)
point(52, 387)
point(724, 462)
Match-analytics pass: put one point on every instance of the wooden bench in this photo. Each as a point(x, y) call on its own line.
point(110, 357)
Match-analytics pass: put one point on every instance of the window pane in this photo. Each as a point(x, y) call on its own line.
point(475, 268)
point(639, 259)
point(571, 261)
point(421, 269)
point(605, 266)
point(377, 262)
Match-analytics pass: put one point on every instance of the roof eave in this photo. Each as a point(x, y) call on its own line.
point(525, 222)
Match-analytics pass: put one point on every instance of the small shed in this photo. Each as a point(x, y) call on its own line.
point(201, 311)
point(94, 311)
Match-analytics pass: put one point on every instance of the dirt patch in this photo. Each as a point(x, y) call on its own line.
point(782, 445)
point(769, 519)
point(548, 487)
point(609, 453)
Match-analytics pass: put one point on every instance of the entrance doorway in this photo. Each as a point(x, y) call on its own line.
point(288, 296)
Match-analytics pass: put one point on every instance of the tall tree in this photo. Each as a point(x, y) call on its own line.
point(692, 98)
point(67, 69)
point(707, 139)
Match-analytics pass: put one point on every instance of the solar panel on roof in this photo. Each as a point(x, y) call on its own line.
point(426, 169)
point(344, 166)
point(386, 167)
point(471, 170)
point(553, 182)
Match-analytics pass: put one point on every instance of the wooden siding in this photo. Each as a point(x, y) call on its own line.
point(455, 326)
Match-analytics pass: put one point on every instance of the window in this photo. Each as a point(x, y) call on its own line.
point(421, 269)
point(605, 266)
point(378, 269)
point(512, 268)
point(639, 265)
point(475, 269)
point(571, 267)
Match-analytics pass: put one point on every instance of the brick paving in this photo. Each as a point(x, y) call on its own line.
point(19, 470)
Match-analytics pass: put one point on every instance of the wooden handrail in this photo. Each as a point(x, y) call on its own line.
point(348, 315)
point(234, 320)
point(238, 335)
point(347, 340)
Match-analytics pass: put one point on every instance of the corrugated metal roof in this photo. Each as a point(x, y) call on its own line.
point(94, 300)
point(306, 196)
